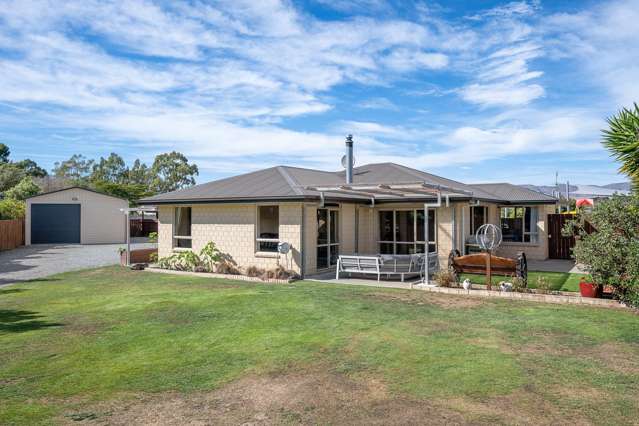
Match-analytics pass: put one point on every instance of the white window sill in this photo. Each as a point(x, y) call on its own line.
point(178, 249)
point(267, 254)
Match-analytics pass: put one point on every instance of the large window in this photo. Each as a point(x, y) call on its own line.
point(402, 231)
point(327, 238)
point(268, 225)
point(477, 218)
point(519, 224)
point(182, 227)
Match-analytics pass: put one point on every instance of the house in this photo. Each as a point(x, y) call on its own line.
point(371, 209)
point(75, 216)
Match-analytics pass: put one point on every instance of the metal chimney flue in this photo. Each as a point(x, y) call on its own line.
point(349, 159)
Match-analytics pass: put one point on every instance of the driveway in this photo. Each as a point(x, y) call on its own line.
point(38, 261)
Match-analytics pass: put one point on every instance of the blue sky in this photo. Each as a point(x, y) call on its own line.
point(474, 91)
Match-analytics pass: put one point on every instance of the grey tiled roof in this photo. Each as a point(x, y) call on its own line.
point(513, 194)
point(285, 182)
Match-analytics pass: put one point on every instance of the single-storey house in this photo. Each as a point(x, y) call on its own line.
point(371, 209)
point(75, 216)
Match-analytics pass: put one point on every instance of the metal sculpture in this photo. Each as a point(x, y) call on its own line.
point(488, 237)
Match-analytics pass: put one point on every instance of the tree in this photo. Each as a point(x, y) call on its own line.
point(172, 171)
point(622, 140)
point(31, 168)
point(130, 191)
point(611, 253)
point(11, 209)
point(139, 174)
point(10, 176)
point(4, 153)
point(76, 168)
point(112, 169)
point(23, 190)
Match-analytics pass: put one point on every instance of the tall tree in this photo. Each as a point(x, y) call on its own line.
point(77, 168)
point(172, 171)
point(31, 168)
point(10, 176)
point(622, 140)
point(139, 173)
point(4, 153)
point(111, 169)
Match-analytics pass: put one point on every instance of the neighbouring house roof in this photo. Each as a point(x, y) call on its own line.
point(513, 193)
point(385, 182)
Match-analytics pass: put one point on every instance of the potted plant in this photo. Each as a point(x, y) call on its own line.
point(589, 289)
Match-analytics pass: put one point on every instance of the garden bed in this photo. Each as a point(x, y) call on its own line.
point(225, 276)
point(555, 297)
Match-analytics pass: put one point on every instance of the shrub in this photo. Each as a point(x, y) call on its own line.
point(24, 189)
point(519, 285)
point(153, 237)
point(543, 285)
point(153, 258)
point(181, 261)
point(445, 278)
point(227, 266)
point(254, 271)
point(611, 253)
point(11, 209)
point(210, 256)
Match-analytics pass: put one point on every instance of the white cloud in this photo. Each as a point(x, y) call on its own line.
point(604, 41)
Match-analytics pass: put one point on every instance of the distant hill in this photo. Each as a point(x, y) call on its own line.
point(584, 191)
point(624, 186)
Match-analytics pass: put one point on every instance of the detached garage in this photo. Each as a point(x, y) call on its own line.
point(75, 216)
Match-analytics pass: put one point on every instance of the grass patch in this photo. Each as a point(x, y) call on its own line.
point(560, 281)
point(93, 344)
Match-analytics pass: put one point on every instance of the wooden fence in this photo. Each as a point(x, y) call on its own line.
point(11, 234)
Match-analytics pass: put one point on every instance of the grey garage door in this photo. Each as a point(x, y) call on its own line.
point(55, 223)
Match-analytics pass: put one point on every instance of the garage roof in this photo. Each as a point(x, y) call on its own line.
point(76, 187)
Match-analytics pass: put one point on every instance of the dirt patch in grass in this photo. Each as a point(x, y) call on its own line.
point(322, 397)
point(422, 298)
point(617, 356)
point(317, 397)
point(523, 407)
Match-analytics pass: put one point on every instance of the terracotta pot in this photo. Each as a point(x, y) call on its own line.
point(589, 289)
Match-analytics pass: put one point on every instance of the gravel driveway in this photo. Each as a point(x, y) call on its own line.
point(37, 261)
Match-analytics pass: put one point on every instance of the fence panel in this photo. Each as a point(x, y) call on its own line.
point(11, 234)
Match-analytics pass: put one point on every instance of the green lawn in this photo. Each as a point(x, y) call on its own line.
point(562, 281)
point(125, 347)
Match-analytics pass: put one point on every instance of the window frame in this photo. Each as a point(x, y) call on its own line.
point(532, 233)
point(258, 239)
point(417, 241)
point(330, 245)
point(473, 228)
point(174, 228)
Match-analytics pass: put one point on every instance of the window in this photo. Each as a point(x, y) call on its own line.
point(182, 227)
point(477, 218)
point(327, 238)
point(402, 231)
point(519, 224)
point(268, 224)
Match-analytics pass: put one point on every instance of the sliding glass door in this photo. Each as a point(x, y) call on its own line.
point(402, 231)
point(327, 237)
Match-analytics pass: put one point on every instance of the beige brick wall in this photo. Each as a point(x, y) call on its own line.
point(232, 227)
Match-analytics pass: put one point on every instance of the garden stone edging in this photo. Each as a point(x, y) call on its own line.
point(224, 276)
point(546, 298)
